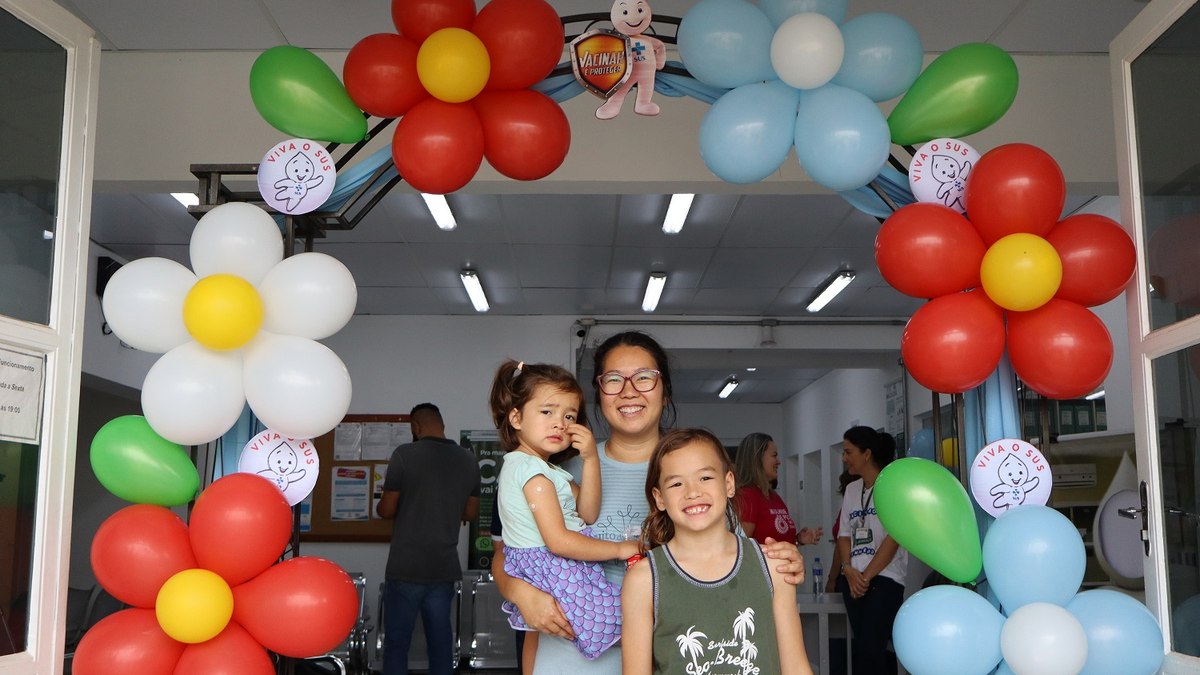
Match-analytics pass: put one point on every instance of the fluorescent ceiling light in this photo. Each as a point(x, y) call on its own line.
point(677, 212)
point(654, 289)
point(730, 385)
point(1094, 395)
point(440, 209)
point(470, 281)
point(188, 199)
point(829, 290)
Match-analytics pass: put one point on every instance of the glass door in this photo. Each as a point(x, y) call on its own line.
point(1156, 85)
point(48, 76)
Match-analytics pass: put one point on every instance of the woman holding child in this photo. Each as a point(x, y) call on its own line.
point(633, 394)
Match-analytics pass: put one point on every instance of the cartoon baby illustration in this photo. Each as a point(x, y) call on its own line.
point(951, 176)
point(300, 179)
point(1015, 483)
point(632, 18)
point(281, 467)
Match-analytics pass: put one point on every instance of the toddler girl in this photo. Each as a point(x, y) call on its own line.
point(538, 409)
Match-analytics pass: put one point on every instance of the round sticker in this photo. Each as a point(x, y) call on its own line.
point(1010, 473)
point(296, 176)
point(290, 463)
point(939, 171)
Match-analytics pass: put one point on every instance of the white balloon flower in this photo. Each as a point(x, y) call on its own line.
point(240, 327)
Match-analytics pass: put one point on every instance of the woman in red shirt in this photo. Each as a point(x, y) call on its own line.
point(760, 508)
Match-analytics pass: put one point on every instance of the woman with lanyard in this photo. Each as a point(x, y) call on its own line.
point(633, 393)
point(872, 576)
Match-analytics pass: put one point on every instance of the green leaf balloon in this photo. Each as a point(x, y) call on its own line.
point(136, 464)
point(298, 94)
point(928, 512)
point(962, 91)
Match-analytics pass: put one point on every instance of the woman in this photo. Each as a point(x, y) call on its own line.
point(759, 506)
point(633, 393)
point(872, 574)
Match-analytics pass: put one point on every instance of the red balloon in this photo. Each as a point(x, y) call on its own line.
point(137, 549)
point(438, 146)
point(532, 24)
point(1015, 188)
point(301, 607)
point(380, 75)
point(954, 342)
point(526, 134)
point(1097, 258)
point(418, 19)
point(1061, 349)
point(232, 652)
point(240, 526)
point(926, 250)
point(1173, 261)
point(128, 641)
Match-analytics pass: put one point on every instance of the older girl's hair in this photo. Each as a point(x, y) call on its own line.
point(880, 443)
point(748, 462)
point(514, 386)
point(633, 338)
point(658, 528)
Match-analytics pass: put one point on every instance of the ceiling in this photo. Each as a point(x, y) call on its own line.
point(585, 255)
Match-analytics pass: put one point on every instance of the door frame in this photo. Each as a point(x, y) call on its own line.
point(61, 341)
point(1146, 344)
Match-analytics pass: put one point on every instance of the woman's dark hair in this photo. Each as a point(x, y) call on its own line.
point(748, 462)
point(633, 338)
point(658, 528)
point(514, 386)
point(880, 443)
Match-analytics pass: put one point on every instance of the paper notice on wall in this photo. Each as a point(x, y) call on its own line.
point(347, 442)
point(350, 493)
point(377, 441)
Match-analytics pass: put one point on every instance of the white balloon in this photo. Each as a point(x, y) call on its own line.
point(294, 385)
point(143, 304)
point(807, 50)
point(1043, 639)
point(236, 238)
point(311, 295)
point(193, 395)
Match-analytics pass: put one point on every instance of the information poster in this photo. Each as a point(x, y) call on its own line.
point(379, 473)
point(22, 380)
point(486, 446)
point(350, 493)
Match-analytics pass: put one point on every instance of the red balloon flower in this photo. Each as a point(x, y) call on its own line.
point(240, 526)
point(1060, 349)
point(439, 145)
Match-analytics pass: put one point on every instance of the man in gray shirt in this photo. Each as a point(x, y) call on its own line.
point(431, 488)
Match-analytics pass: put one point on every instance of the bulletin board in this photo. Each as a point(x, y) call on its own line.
point(340, 479)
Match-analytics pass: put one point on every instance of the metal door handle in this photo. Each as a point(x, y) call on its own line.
point(1130, 513)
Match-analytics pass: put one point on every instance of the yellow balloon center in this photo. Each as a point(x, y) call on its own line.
point(1021, 272)
point(194, 606)
point(223, 311)
point(453, 65)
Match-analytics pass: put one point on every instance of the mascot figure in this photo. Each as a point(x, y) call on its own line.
point(631, 18)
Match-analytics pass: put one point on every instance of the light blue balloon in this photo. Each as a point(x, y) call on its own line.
point(1122, 635)
point(1184, 620)
point(947, 630)
point(779, 11)
point(882, 58)
point(922, 444)
point(842, 139)
point(726, 43)
point(1033, 554)
point(747, 133)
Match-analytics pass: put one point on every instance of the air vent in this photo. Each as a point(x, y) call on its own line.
point(1074, 475)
